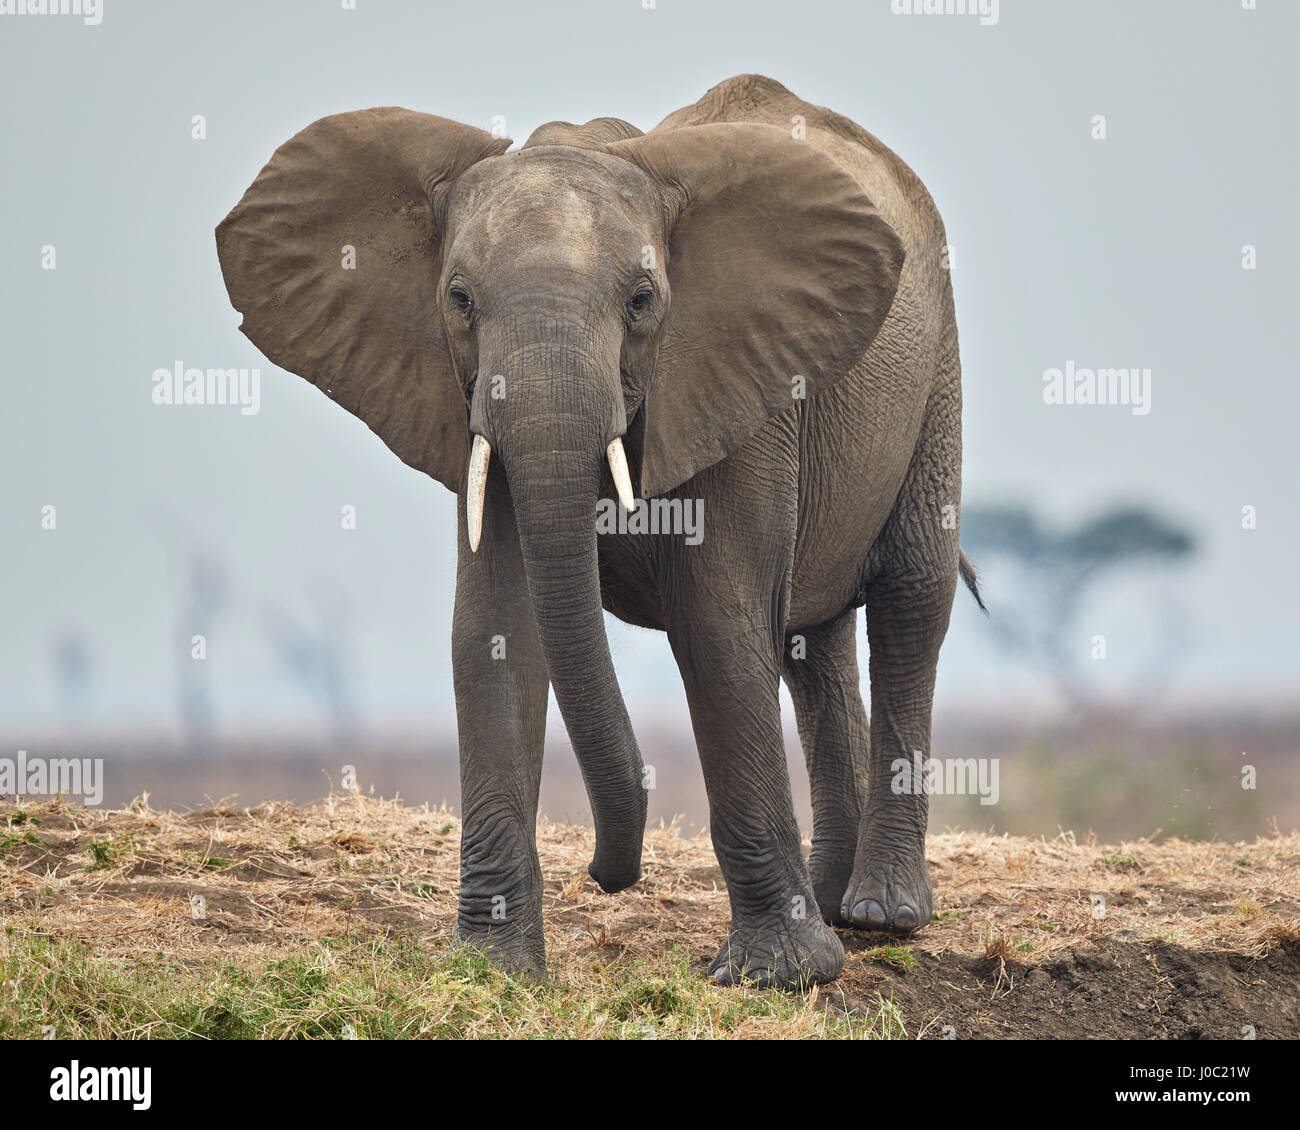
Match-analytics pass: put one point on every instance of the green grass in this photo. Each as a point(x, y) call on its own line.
point(1123, 861)
point(392, 987)
point(897, 956)
point(106, 853)
point(888, 1020)
point(13, 839)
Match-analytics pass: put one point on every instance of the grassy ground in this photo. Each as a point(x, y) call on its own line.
point(333, 921)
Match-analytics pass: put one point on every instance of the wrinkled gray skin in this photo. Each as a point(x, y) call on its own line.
point(838, 502)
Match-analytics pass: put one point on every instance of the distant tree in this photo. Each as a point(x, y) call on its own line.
point(204, 598)
point(73, 669)
point(1050, 575)
point(312, 646)
point(314, 650)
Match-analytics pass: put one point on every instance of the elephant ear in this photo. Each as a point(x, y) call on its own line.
point(332, 257)
point(779, 267)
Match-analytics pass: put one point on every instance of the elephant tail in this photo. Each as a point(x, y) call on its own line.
point(967, 571)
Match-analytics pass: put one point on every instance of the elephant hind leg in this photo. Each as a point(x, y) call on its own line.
point(820, 667)
point(909, 594)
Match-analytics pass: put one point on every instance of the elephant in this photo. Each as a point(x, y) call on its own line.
point(746, 309)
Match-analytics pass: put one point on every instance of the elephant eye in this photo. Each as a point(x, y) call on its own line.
point(461, 300)
point(639, 303)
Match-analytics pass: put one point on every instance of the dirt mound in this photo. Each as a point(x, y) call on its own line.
point(1031, 938)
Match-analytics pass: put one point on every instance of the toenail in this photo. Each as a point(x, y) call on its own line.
point(870, 912)
point(905, 918)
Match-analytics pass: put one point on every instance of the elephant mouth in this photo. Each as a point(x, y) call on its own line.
point(480, 459)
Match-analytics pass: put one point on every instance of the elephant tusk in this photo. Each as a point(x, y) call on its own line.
point(618, 468)
point(476, 490)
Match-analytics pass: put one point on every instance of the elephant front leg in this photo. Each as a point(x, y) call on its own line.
point(501, 690)
point(777, 936)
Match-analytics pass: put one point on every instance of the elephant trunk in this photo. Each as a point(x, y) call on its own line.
point(553, 438)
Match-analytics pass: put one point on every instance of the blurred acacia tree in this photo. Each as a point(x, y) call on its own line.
point(1043, 578)
point(316, 648)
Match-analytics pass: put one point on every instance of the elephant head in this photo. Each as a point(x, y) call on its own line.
point(525, 310)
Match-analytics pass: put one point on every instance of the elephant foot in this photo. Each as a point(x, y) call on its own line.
point(511, 951)
point(889, 890)
point(778, 954)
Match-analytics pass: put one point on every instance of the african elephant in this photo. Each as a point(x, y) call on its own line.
point(746, 309)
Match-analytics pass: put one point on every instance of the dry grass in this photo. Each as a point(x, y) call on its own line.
point(1031, 899)
point(333, 920)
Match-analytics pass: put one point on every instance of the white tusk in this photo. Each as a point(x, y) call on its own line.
point(476, 489)
point(618, 468)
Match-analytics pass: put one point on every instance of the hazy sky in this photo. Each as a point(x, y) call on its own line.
point(1122, 252)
